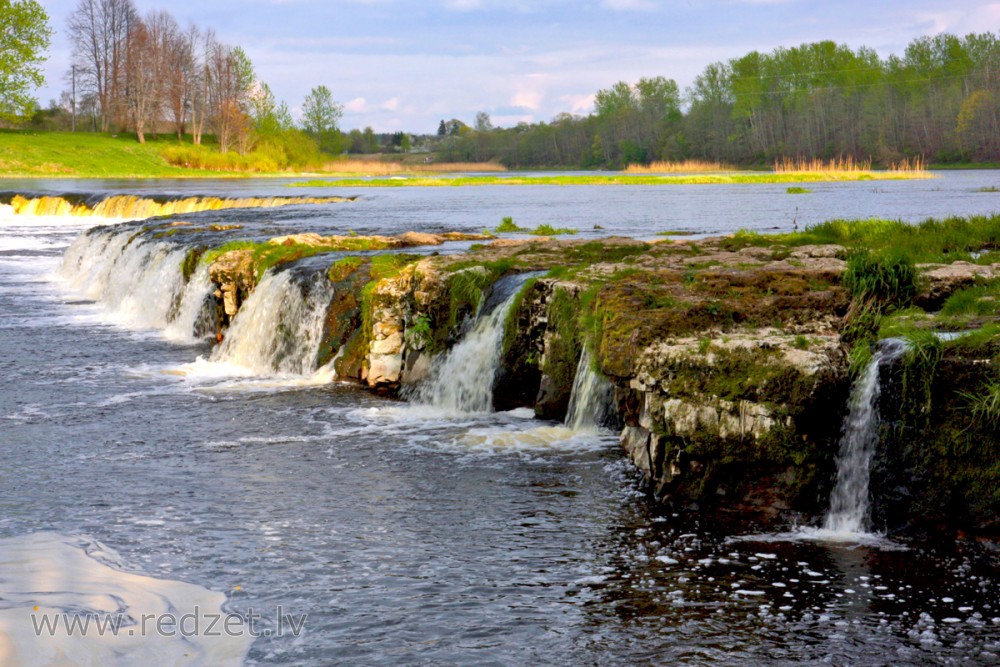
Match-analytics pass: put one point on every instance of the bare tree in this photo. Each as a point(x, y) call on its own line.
point(99, 31)
point(178, 76)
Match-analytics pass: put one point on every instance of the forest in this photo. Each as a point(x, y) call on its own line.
point(939, 101)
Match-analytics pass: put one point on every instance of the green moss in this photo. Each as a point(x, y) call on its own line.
point(419, 332)
point(212, 254)
point(342, 268)
point(919, 366)
point(565, 341)
point(510, 325)
point(390, 265)
point(191, 260)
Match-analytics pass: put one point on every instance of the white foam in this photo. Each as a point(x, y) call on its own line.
point(834, 537)
point(47, 576)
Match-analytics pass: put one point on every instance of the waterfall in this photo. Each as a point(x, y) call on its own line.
point(132, 207)
point(590, 400)
point(188, 323)
point(279, 328)
point(462, 380)
point(138, 283)
point(849, 502)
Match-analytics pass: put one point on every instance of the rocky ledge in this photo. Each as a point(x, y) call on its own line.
point(730, 357)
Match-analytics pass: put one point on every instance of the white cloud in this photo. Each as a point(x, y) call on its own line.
point(578, 104)
point(630, 5)
point(391, 104)
point(357, 105)
point(464, 5)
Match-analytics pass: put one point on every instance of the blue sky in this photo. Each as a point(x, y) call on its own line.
point(406, 64)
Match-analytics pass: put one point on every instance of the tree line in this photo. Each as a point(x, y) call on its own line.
point(939, 100)
point(140, 73)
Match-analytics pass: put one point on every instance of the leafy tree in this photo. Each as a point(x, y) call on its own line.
point(483, 122)
point(24, 36)
point(270, 117)
point(320, 115)
point(369, 142)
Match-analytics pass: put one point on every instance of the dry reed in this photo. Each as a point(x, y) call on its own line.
point(385, 168)
point(681, 167)
point(844, 165)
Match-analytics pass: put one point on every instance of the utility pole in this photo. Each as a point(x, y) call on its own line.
point(73, 103)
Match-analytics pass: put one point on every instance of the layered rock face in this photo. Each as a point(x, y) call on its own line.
point(729, 365)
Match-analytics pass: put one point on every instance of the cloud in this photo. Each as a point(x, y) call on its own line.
point(464, 5)
point(357, 105)
point(578, 104)
point(630, 5)
point(391, 104)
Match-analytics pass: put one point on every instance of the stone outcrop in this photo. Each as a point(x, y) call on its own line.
point(730, 373)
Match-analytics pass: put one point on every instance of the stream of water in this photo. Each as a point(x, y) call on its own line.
point(144, 472)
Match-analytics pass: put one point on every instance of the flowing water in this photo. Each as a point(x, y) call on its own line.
point(144, 473)
point(590, 402)
point(849, 501)
point(461, 381)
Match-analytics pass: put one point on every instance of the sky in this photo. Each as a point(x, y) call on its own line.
point(408, 64)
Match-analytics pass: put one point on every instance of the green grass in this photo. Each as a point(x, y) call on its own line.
point(976, 301)
point(266, 255)
point(974, 238)
point(507, 226)
point(885, 278)
point(796, 190)
point(82, 154)
point(105, 155)
point(549, 230)
point(609, 179)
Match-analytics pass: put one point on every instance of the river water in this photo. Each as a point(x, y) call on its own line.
point(138, 475)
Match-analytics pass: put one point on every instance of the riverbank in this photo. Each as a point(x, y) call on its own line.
point(96, 155)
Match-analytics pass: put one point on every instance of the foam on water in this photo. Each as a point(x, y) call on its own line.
point(47, 577)
point(278, 330)
point(591, 397)
point(461, 380)
point(138, 283)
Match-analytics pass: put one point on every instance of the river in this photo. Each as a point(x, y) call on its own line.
point(137, 475)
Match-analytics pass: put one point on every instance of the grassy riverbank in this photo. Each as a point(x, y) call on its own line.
point(615, 179)
point(90, 155)
point(83, 155)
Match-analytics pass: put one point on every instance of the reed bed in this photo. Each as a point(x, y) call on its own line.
point(680, 167)
point(845, 165)
point(376, 167)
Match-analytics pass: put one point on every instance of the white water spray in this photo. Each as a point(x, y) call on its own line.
point(138, 283)
point(462, 380)
point(849, 502)
point(279, 328)
point(590, 400)
point(184, 324)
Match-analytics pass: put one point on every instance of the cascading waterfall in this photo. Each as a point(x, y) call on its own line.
point(590, 400)
point(849, 502)
point(462, 380)
point(188, 322)
point(279, 328)
point(138, 282)
point(132, 207)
